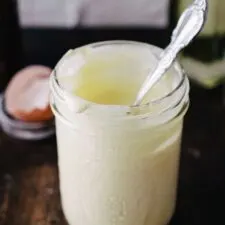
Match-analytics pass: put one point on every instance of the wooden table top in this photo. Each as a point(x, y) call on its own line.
point(29, 193)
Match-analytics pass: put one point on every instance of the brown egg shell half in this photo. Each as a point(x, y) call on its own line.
point(17, 87)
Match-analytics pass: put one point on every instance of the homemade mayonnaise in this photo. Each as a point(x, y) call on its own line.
point(115, 167)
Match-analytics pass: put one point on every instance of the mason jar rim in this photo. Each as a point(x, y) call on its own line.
point(57, 91)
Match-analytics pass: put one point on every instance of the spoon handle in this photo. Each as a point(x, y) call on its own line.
point(189, 25)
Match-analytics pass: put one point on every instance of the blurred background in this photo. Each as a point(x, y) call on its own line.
point(60, 25)
point(39, 32)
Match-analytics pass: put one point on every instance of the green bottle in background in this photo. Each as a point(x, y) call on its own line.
point(10, 41)
point(204, 59)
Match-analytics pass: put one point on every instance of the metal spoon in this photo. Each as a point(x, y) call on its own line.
point(189, 25)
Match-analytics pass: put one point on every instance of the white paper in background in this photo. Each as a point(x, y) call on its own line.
point(49, 13)
point(69, 13)
point(154, 13)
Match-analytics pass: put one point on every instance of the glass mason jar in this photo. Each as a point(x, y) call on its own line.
point(118, 164)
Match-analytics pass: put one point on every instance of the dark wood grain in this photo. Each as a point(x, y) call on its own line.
point(29, 190)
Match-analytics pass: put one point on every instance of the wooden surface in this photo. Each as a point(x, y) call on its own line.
point(29, 193)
